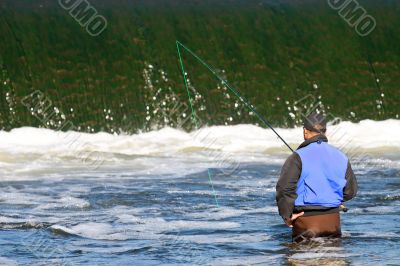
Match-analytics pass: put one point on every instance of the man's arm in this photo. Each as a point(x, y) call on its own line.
point(350, 190)
point(287, 185)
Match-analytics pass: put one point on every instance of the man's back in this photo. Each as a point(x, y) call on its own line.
point(323, 175)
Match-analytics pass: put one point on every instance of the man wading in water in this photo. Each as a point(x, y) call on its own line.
point(315, 180)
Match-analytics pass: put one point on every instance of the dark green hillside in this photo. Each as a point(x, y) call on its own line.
point(273, 51)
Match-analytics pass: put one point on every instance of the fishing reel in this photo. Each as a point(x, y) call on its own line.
point(343, 208)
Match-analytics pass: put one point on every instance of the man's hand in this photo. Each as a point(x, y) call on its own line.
point(289, 221)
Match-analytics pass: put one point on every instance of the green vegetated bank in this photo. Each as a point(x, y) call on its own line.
point(128, 79)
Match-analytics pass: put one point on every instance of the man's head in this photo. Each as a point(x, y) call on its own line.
point(314, 124)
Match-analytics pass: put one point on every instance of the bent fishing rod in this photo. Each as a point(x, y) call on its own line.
point(231, 88)
point(234, 91)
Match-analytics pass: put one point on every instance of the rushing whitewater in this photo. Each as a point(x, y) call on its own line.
point(24, 150)
point(169, 197)
point(33, 147)
point(365, 135)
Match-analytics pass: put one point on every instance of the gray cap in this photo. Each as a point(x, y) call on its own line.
point(315, 122)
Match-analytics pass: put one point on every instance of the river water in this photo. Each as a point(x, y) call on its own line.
point(172, 198)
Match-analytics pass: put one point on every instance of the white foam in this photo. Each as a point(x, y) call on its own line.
point(239, 138)
point(266, 259)
point(376, 210)
point(314, 255)
point(379, 235)
point(94, 231)
point(27, 152)
point(7, 262)
point(21, 198)
point(226, 212)
point(219, 239)
point(11, 220)
point(65, 202)
point(131, 227)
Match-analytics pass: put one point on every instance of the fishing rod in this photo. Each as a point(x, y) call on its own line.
point(236, 92)
point(231, 88)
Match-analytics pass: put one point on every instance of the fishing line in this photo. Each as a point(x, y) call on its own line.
point(194, 115)
point(212, 186)
point(231, 88)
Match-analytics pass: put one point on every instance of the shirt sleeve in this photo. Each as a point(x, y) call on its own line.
point(351, 188)
point(287, 184)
